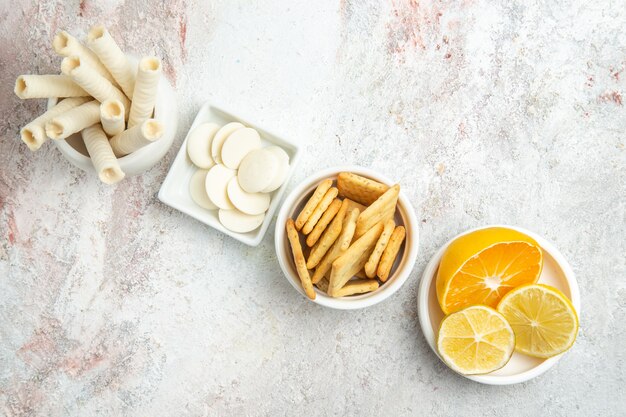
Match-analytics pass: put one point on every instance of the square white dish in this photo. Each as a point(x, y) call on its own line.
point(175, 188)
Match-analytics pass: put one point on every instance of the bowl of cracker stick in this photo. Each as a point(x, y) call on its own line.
point(347, 238)
point(107, 112)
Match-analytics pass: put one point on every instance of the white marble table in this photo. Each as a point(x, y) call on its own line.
point(488, 112)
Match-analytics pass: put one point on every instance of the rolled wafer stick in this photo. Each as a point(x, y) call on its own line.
point(145, 92)
point(47, 86)
point(73, 120)
point(102, 43)
point(34, 133)
point(65, 45)
point(298, 257)
point(102, 157)
point(65, 68)
point(136, 137)
point(95, 84)
point(112, 117)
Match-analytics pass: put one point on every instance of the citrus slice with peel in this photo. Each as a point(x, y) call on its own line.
point(476, 340)
point(543, 319)
point(481, 266)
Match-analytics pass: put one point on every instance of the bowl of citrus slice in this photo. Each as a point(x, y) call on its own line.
point(499, 305)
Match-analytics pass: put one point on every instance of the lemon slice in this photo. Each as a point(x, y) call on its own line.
point(476, 340)
point(543, 319)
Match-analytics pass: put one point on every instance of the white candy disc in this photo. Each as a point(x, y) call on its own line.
point(283, 168)
point(197, 190)
point(238, 145)
point(199, 145)
point(217, 184)
point(239, 222)
point(257, 170)
point(249, 203)
point(220, 137)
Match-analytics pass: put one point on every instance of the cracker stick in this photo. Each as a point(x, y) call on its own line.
point(358, 286)
point(372, 262)
point(298, 257)
point(381, 209)
point(328, 238)
point(359, 189)
point(349, 228)
point(344, 239)
point(352, 260)
point(315, 199)
point(353, 204)
point(319, 210)
point(323, 285)
point(326, 218)
point(390, 253)
point(361, 274)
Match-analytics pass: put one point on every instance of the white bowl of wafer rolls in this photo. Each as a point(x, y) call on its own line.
point(108, 112)
point(347, 238)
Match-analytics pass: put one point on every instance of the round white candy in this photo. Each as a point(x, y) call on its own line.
point(239, 222)
point(238, 145)
point(220, 137)
point(199, 145)
point(249, 203)
point(197, 190)
point(217, 184)
point(257, 170)
point(283, 168)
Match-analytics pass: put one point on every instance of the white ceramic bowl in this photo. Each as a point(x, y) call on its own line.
point(175, 189)
point(74, 150)
point(556, 272)
point(402, 268)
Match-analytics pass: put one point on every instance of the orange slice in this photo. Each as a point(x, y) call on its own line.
point(482, 266)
